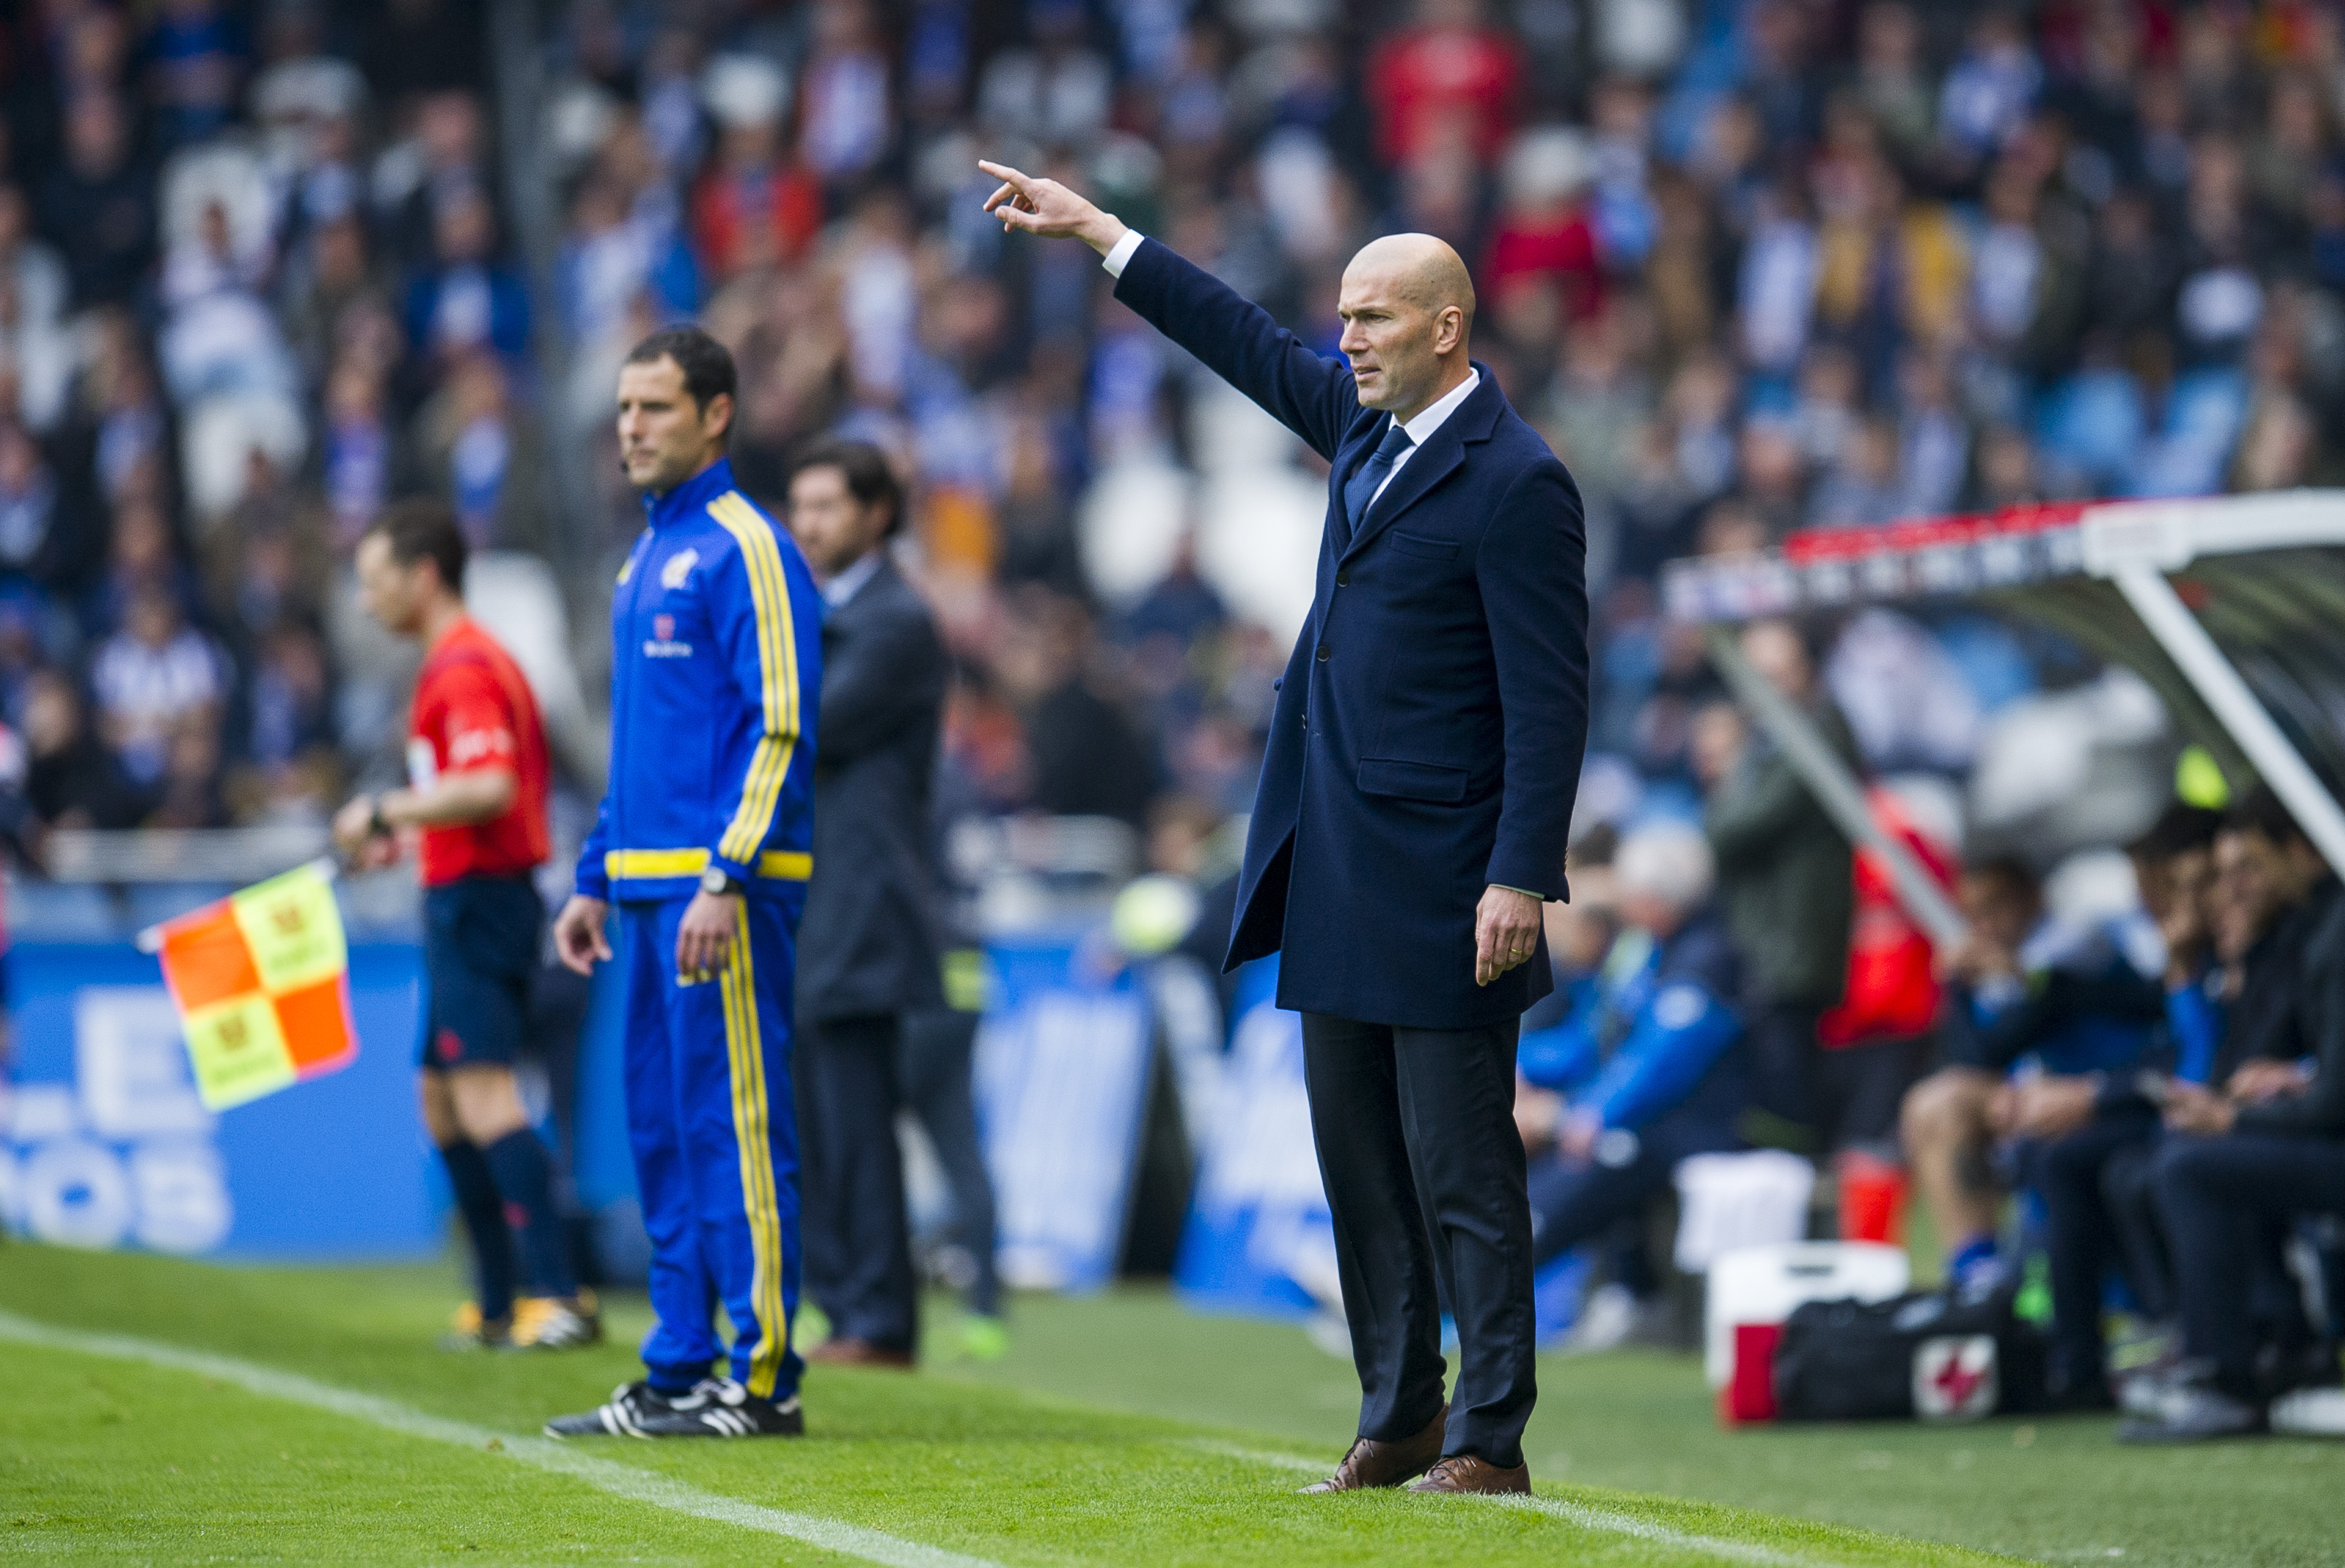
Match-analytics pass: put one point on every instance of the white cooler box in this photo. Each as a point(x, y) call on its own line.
point(1765, 1284)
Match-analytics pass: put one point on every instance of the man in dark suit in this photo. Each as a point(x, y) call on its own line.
point(865, 954)
point(1413, 810)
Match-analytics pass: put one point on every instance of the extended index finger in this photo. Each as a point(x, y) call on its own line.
point(1007, 175)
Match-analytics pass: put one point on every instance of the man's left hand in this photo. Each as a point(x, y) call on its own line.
point(1506, 932)
point(1575, 1138)
point(354, 825)
point(1046, 208)
point(356, 837)
point(2257, 1081)
point(2190, 1108)
point(704, 937)
point(2051, 1107)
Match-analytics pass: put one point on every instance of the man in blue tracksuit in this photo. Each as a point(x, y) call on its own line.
point(1652, 1068)
point(705, 841)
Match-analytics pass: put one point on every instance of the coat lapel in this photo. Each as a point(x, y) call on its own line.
point(1441, 457)
point(1347, 464)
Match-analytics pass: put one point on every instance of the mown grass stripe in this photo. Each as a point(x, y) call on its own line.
point(538, 1453)
point(1603, 1520)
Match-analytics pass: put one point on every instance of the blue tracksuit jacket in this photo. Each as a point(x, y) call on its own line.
point(1657, 1037)
point(716, 662)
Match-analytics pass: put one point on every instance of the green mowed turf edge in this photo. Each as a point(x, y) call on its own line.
point(2059, 1490)
point(988, 1471)
point(108, 1461)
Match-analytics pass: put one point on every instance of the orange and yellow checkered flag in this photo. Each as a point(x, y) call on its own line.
point(261, 982)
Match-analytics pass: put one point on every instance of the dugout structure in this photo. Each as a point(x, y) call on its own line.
point(2231, 607)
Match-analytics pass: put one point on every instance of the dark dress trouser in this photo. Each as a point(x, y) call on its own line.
point(938, 1044)
point(2223, 1198)
point(1424, 1175)
point(2071, 1174)
point(854, 1234)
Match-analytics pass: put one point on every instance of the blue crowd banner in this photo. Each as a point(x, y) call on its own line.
point(103, 1142)
point(1061, 1075)
point(1258, 1238)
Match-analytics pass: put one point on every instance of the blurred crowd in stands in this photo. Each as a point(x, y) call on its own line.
point(1751, 266)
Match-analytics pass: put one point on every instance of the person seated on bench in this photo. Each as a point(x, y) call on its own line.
point(2237, 1166)
point(2024, 991)
point(2234, 1022)
point(1650, 1068)
point(2090, 1131)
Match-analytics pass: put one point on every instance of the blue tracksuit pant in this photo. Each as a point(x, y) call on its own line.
point(716, 1144)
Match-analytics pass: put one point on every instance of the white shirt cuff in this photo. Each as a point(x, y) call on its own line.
point(1120, 254)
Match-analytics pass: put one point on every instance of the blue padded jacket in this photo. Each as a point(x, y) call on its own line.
point(715, 669)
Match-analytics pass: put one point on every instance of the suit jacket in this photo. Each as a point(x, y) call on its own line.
point(1429, 727)
point(866, 945)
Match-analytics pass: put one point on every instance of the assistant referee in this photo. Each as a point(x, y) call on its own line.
point(477, 768)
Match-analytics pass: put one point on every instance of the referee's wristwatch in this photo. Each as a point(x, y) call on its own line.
point(717, 883)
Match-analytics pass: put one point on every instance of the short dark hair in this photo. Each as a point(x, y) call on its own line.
point(871, 477)
point(706, 364)
point(2179, 829)
point(2008, 872)
point(422, 529)
point(2261, 811)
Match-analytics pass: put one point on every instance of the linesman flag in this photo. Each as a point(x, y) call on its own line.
point(261, 982)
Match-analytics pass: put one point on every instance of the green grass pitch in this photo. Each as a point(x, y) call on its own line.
point(161, 1412)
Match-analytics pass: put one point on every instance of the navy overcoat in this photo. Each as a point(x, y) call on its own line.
point(1430, 725)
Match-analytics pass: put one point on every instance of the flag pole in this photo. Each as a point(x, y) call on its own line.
point(150, 940)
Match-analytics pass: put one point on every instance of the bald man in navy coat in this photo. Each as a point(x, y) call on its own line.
point(1413, 810)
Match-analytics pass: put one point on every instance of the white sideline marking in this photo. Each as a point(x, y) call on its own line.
point(1603, 1520)
point(538, 1453)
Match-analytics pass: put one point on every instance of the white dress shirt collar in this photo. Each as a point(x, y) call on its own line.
point(1420, 428)
point(848, 584)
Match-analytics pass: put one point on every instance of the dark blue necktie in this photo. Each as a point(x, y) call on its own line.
point(1361, 488)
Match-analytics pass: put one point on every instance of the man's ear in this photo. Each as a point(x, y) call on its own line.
point(1450, 324)
point(716, 415)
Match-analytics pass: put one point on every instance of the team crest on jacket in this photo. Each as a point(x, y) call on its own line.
point(678, 570)
point(662, 643)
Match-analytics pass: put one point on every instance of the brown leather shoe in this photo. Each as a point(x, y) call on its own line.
point(1373, 1463)
point(838, 1352)
point(1472, 1472)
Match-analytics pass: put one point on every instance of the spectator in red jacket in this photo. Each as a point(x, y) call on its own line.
point(1543, 230)
point(1450, 64)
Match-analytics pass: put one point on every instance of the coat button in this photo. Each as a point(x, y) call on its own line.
point(1322, 652)
point(1343, 580)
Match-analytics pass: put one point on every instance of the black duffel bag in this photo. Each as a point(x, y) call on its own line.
point(1934, 1354)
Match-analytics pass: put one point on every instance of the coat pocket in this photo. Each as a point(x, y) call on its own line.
point(1418, 545)
point(1412, 780)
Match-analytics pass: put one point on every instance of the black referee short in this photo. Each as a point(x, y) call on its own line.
point(482, 938)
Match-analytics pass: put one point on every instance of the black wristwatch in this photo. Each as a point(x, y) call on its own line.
point(377, 825)
point(718, 883)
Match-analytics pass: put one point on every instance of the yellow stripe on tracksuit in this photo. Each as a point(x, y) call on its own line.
point(657, 864)
point(777, 666)
point(746, 1053)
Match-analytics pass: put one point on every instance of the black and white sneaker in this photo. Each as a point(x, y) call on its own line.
point(719, 1407)
point(631, 1405)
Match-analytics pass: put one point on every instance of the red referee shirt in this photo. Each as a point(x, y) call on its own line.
point(472, 710)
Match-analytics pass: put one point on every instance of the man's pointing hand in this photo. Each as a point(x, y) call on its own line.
point(1046, 208)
